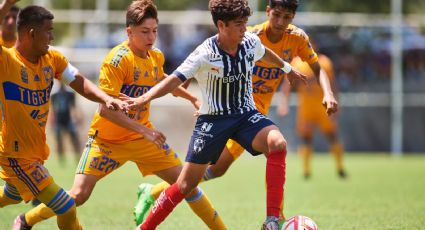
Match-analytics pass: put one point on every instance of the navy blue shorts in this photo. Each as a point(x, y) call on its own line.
point(212, 132)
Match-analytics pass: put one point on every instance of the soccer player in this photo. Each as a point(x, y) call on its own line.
point(27, 73)
point(131, 68)
point(286, 40)
point(223, 66)
point(310, 115)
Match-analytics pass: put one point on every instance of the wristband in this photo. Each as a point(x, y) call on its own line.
point(286, 67)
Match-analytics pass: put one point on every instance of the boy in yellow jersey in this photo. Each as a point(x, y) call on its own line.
point(310, 115)
point(287, 41)
point(28, 71)
point(131, 68)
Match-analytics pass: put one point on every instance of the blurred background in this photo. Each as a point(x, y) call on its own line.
point(377, 47)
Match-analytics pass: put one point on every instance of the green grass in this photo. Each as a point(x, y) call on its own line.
point(381, 193)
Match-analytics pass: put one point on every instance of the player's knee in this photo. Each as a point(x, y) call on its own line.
point(186, 187)
point(277, 144)
point(80, 196)
point(216, 171)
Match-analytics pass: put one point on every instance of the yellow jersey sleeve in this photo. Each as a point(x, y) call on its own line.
point(59, 61)
point(114, 70)
point(305, 49)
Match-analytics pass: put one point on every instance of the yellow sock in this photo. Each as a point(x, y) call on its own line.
point(158, 188)
point(306, 151)
point(37, 214)
point(69, 220)
point(58, 203)
point(9, 195)
point(202, 207)
point(337, 150)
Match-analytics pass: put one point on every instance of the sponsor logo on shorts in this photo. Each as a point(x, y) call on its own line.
point(256, 118)
point(206, 127)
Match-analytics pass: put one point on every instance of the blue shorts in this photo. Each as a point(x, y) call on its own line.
point(212, 132)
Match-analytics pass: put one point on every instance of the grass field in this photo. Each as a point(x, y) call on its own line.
point(380, 193)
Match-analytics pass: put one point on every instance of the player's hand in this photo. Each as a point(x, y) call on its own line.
point(196, 113)
point(155, 136)
point(116, 104)
point(330, 104)
point(294, 75)
point(137, 103)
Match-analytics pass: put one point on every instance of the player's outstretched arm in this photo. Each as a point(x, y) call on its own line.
point(87, 89)
point(165, 86)
point(292, 74)
point(121, 119)
point(283, 106)
point(329, 101)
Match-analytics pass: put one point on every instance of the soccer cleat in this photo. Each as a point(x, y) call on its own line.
point(307, 176)
point(342, 174)
point(282, 220)
point(271, 223)
point(144, 202)
point(20, 223)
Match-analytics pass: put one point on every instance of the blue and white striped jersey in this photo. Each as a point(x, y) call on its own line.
point(225, 80)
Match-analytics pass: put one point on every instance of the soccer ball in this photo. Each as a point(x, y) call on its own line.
point(299, 223)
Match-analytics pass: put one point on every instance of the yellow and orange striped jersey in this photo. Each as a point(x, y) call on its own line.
point(310, 96)
point(124, 72)
point(25, 94)
point(266, 78)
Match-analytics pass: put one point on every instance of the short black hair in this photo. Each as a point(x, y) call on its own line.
point(227, 10)
point(32, 16)
point(291, 5)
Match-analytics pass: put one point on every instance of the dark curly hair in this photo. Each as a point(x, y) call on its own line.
point(140, 10)
point(291, 5)
point(227, 10)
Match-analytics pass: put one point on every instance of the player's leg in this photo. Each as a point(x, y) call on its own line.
point(230, 153)
point(9, 195)
point(59, 142)
point(87, 174)
point(305, 150)
point(260, 135)
point(80, 192)
point(165, 164)
point(33, 180)
point(337, 150)
point(304, 129)
point(329, 127)
point(168, 200)
point(73, 132)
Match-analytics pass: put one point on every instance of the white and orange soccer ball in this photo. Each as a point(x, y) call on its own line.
point(299, 223)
